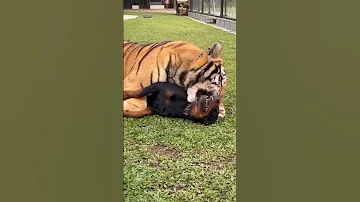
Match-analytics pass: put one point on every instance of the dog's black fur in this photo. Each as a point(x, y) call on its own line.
point(170, 100)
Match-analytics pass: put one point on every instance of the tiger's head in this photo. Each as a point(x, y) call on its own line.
point(207, 72)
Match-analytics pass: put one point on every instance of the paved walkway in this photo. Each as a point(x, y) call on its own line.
point(129, 17)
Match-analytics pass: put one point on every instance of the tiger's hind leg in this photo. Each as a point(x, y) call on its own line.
point(131, 99)
point(132, 94)
point(135, 104)
point(138, 114)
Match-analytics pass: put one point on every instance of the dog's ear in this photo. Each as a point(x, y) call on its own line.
point(215, 50)
point(211, 119)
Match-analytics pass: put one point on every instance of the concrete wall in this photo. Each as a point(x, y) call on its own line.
point(157, 6)
point(221, 22)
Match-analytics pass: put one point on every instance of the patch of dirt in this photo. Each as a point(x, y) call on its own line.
point(173, 188)
point(218, 164)
point(151, 163)
point(162, 151)
point(154, 165)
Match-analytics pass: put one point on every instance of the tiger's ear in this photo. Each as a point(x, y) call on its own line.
point(215, 50)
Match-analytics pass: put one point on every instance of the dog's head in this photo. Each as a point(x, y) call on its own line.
point(205, 109)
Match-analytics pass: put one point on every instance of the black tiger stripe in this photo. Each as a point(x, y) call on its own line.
point(218, 67)
point(134, 62)
point(197, 78)
point(174, 58)
point(179, 65)
point(175, 45)
point(182, 77)
point(192, 82)
point(179, 57)
point(157, 59)
point(130, 69)
point(170, 67)
point(220, 80)
point(157, 63)
point(143, 57)
point(141, 85)
point(149, 51)
point(194, 70)
point(142, 47)
point(151, 80)
point(215, 71)
point(126, 61)
point(158, 73)
point(129, 48)
point(208, 66)
point(167, 70)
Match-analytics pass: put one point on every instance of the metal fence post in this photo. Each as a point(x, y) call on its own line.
point(202, 6)
point(222, 8)
point(209, 12)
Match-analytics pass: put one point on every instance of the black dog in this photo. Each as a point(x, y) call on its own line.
point(170, 100)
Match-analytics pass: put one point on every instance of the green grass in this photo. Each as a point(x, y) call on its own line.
point(173, 159)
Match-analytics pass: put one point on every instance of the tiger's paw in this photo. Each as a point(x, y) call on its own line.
point(191, 94)
point(221, 115)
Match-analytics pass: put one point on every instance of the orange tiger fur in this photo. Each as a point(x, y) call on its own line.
point(178, 62)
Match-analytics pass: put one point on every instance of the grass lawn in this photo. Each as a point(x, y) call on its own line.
point(174, 159)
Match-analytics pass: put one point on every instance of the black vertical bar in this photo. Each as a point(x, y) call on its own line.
point(202, 6)
point(221, 8)
point(209, 7)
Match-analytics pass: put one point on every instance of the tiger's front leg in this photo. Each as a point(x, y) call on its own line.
point(221, 115)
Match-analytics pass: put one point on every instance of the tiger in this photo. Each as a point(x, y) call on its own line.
point(179, 62)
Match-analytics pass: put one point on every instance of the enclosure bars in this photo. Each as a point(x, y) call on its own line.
point(219, 8)
point(222, 8)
